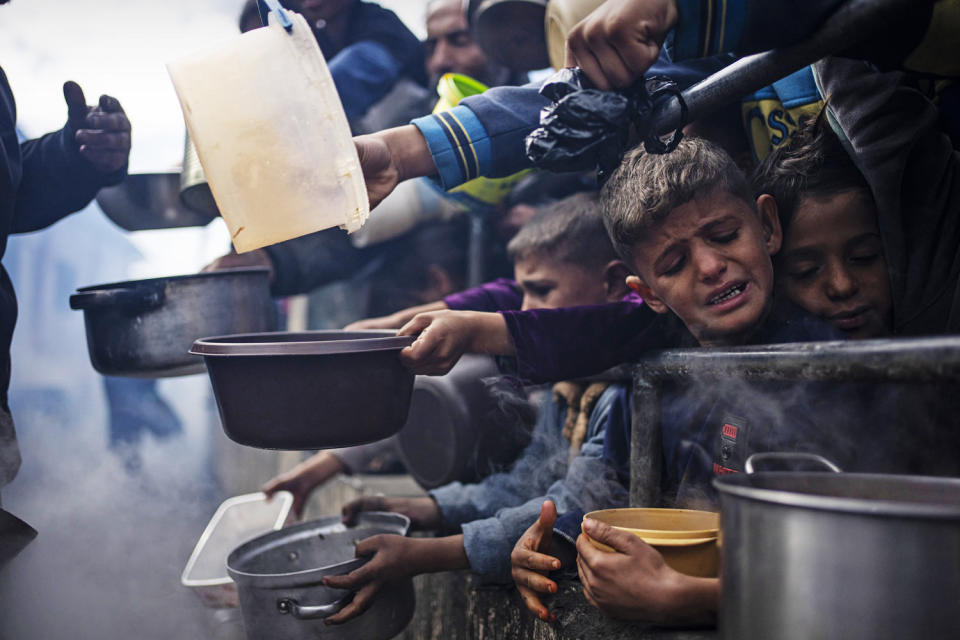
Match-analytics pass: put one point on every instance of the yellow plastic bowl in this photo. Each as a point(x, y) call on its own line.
point(686, 539)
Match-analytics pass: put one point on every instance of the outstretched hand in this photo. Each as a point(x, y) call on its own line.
point(255, 258)
point(619, 40)
point(102, 133)
point(394, 557)
point(423, 512)
point(635, 583)
point(444, 336)
point(530, 562)
point(380, 170)
point(391, 156)
point(304, 478)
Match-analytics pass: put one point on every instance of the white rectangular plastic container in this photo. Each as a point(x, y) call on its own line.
point(237, 520)
point(271, 135)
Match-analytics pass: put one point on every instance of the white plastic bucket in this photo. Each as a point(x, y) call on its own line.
point(271, 135)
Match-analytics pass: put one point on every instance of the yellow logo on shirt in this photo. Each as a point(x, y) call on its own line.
point(768, 124)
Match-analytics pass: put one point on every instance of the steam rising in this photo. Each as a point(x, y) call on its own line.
point(112, 542)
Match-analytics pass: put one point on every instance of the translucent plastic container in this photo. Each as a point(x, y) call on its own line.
point(271, 135)
point(237, 520)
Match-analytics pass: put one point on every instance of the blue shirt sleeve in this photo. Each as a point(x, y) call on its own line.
point(589, 483)
point(483, 135)
point(530, 475)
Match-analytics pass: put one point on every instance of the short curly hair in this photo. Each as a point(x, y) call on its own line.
point(812, 164)
point(569, 230)
point(647, 187)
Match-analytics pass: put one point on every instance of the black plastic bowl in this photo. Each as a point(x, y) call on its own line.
point(309, 390)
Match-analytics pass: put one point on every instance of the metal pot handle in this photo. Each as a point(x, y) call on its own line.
point(300, 612)
point(135, 300)
point(786, 456)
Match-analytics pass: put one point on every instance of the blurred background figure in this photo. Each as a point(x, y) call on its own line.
point(451, 48)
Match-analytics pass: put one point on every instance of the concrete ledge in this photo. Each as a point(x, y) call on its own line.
point(454, 606)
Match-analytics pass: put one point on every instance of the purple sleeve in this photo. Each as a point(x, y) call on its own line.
point(502, 294)
point(560, 344)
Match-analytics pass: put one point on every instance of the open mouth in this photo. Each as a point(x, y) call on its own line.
point(729, 293)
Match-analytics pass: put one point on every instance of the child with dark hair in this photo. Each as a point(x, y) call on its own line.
point(832, 263)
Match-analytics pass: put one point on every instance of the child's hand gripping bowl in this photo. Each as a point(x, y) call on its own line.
point(444, 336)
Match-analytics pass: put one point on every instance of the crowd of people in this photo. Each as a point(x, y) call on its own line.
point(826, 211)
point(823, 207)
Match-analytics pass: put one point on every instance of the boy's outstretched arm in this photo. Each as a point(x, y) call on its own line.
point(424, 513)
point(394, 557)
point(634, 583)
point(304, 478)
point(444, 336)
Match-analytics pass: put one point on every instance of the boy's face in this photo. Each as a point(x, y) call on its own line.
point(832, 265)
point(709, 263)
point(548, 283)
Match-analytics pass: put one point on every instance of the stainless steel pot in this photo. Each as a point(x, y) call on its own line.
point(839, 555)
point(279, 577)
point(194, 190)
point(144, 328)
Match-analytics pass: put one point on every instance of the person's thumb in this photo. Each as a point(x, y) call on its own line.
point(601, 532)
point(548, 515)
point(419, 322)
point(298, 500)
point(76, 102)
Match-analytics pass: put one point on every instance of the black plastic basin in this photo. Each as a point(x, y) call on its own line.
point(309, 390)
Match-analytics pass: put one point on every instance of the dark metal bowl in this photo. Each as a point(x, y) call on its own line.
point(309, 390)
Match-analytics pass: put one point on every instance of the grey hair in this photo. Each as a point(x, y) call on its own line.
point(569, 230)
point(647, 187)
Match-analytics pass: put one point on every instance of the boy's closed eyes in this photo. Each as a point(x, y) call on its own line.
point(833, 264)
point(708, 261)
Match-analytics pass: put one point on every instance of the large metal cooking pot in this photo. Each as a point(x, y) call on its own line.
point(279, 577)
point(839, 555)
point(194, 190)
point(144, 328)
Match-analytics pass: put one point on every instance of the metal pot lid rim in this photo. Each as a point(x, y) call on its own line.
point(187, 276)
point(217, 347)
point(366, 518)
point(860, 506)
point(297, 577)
